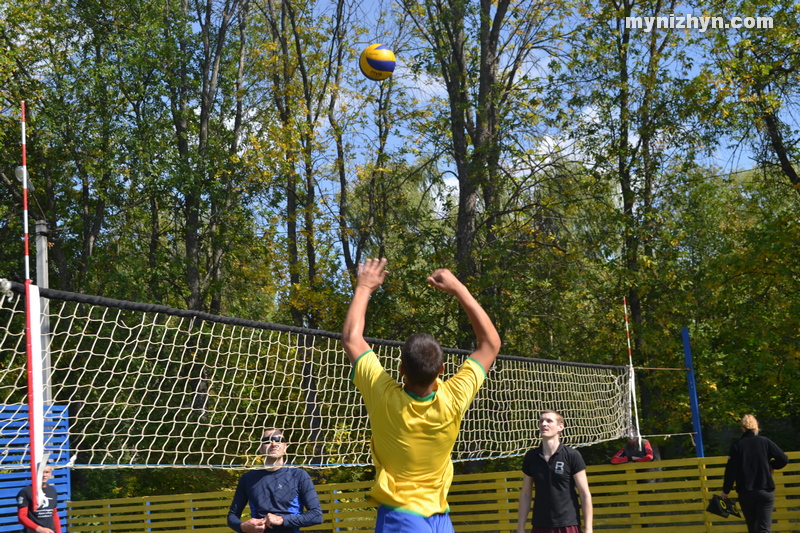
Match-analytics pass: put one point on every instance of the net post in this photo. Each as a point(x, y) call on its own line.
point(29, 324)
point(633, 409)
point(687, 355)
point(43, 282)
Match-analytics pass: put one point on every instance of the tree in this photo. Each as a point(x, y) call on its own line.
point(485, 126)
point(137, 134)
point(756, 73)
point(632, 119)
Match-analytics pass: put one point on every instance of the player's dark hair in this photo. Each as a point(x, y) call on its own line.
point(422, 358)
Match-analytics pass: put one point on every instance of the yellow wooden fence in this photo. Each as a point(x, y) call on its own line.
point(665, 496)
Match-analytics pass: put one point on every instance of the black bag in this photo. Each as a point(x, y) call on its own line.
point(722, 507)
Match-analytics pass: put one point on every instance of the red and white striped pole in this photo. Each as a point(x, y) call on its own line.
point(627, 330)
point(25, 198)
point(28, 318)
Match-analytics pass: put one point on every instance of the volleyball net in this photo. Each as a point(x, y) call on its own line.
point(150, 386)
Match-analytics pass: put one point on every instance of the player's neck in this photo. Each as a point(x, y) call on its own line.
point(550, 444)
point(419, 391)
point(273, 464)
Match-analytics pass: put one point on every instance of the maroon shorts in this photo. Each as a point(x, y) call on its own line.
point(565, 529)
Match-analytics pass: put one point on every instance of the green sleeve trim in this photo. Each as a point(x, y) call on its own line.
point(479, 365)
point(353, 370)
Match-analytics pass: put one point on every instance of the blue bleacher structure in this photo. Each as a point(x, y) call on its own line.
point(15, 470)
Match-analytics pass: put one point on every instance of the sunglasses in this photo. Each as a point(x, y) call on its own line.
point(274, 438)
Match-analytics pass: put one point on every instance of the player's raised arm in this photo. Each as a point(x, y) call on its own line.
point(370, 276)
point(488, 338)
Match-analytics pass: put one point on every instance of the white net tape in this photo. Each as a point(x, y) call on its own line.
point(151, 387)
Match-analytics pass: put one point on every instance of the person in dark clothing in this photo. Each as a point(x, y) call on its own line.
point(751, 461)
point(44, 519)
point(636, 450)
point(557, 475)
point(277, 495)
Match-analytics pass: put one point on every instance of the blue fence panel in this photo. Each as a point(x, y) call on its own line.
point(15, 472)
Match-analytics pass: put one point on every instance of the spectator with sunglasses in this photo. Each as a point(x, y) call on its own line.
point(277, 495)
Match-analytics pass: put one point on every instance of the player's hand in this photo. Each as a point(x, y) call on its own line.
point(723, 495)
point(274, 520)
point(42, 529)
point(254, 525)
point(445, 280)
point(371, 274)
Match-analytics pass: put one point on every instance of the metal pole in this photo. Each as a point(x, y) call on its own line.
point(43, 281)
point(687, 356)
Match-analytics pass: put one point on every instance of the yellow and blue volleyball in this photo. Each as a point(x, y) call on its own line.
point(377, 62)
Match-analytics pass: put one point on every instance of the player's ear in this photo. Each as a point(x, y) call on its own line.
point(441, 369)
point(403, 369)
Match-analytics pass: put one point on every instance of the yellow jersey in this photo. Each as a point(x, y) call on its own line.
point(412, 437)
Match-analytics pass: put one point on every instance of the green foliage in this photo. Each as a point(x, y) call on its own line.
point(101, 484)
point(249, 179)
point(752, 80)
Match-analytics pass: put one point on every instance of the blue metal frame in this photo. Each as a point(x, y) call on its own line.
point(15, 460)
point(687, 356)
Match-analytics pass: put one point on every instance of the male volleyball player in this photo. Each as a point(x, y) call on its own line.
point(277, 495)
point(45, 518)
point(556, 471)
point(415, 424)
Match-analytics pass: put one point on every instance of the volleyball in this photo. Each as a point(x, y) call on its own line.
point(377, 62)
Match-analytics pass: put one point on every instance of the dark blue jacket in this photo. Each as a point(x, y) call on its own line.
point(285, 492)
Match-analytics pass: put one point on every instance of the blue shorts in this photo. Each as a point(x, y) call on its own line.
point(395, 521)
